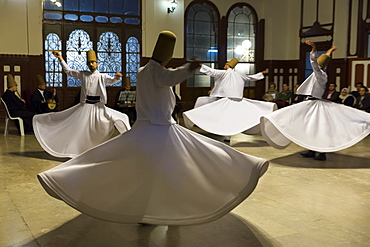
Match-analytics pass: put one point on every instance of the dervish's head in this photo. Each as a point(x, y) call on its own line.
point(92, 62)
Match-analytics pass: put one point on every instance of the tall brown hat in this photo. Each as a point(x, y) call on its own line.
point(10, 81)
point(233, 62)
point(323, 60)
point(91, 56)
point(163, 49)
point(39, 80)
point(127, 81)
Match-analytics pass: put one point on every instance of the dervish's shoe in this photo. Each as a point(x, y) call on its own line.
point(321, 157)
point(308, 154)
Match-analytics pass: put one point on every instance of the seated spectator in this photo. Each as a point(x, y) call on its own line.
point(346, 98)
point(17, 105)
point(177, 109)
point(43, 100)
point(271, 94)
point(283, 98)
point(331, 94)
point(356, 93)
point(296, 98)
point(363, 101)
point(126, 101)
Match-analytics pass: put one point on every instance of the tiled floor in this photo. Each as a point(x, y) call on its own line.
point(298, 202)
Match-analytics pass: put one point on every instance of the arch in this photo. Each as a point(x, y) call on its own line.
point(77, 45)
point(202, 21)
point(109, 53)
point(53, 69)
point(132, 58)
point(241, 37)
point(241, 32)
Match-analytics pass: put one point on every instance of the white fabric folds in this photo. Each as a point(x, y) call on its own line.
point(156, 174)
point(227, 116)
point(318, 125)
point(70, 132)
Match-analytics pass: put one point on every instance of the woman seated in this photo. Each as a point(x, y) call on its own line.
point(346, 98)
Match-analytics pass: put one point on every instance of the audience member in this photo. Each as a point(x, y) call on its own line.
point(271, 94)
point(346, 98)
point(296, 98)
point(363, 101)
point(177, 108)
point(17, 105)
point(331, 94)
point(43, 100)
point(126, 101)
point(356, 93)
point(283, 97)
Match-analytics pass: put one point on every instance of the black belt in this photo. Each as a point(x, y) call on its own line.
point(92, 99)
point(312, 98)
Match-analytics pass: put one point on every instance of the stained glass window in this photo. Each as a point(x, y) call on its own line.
point(77, 46)
point(111, 7)
point(109, 54)
point(52, 66)
point(202, 39)
point(132, 59)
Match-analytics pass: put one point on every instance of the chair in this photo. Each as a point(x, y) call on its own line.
point(8, 117)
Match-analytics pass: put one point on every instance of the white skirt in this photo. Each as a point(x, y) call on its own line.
point(156, 174)
point(229, 117)
point(318, 125)
point(70, 132)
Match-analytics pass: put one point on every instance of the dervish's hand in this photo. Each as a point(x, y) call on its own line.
point(265, 71)
point(57, 55)
point(310, 43)
point(118, 74)
point(194, 65)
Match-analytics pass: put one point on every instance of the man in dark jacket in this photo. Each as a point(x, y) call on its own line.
point(363, 101)
point(17, 105)
point(43, 100)
point(331, 94)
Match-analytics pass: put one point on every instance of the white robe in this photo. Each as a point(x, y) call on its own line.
point(319, 125)
point(158, 172)
point(232, 114)
point(71, 132)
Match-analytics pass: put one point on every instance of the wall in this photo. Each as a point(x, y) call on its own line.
point(21, 27)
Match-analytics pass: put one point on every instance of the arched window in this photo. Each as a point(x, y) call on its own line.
point(241, 38)
point(201, 32)
point(52, 66)
point(109, 54)
point(132, 59)
point(77, 46)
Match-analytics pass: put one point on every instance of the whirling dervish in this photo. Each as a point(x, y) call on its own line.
point(316, 124)
point(71, 132)
point(165, 174)
point(225, 112)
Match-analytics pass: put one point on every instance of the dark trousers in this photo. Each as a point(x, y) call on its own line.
point(27, 119)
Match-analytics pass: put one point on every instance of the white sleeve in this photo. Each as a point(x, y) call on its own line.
point(211, 72)
point(109, 80)
point(320, 75)
point(255, 77)
point(172, 77)
point(71, 72)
